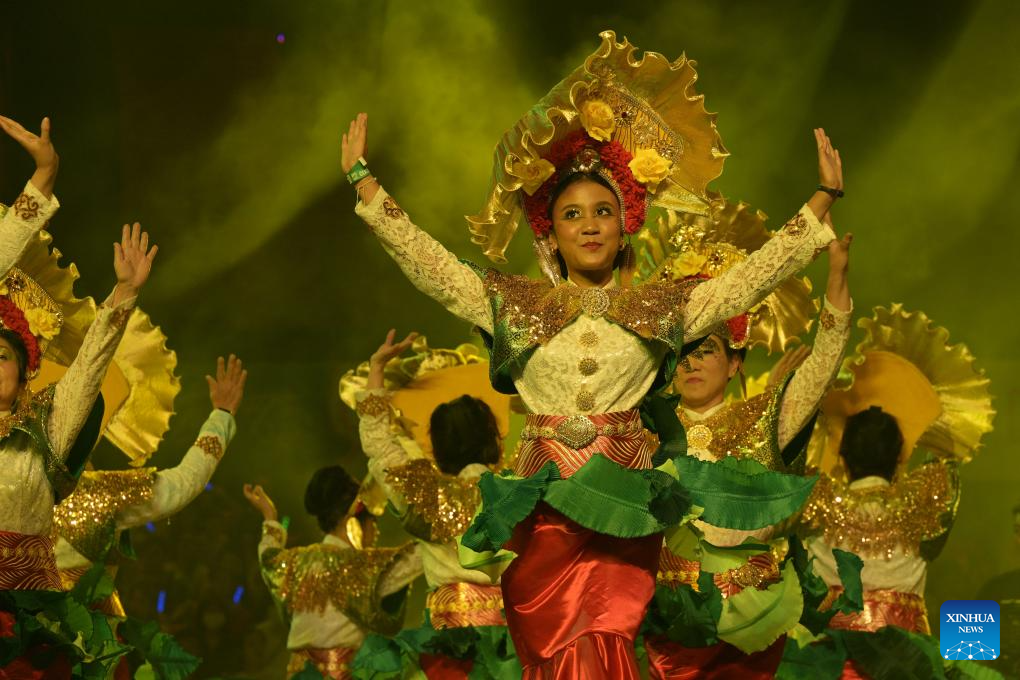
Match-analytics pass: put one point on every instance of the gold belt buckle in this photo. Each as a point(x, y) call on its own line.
point(577, 432)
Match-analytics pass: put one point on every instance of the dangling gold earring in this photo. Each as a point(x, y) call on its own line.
point(628, 264)
point(547, 262)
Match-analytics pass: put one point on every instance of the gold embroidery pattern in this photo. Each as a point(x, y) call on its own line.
point(589, 339)
point(26, 208)
point(827, 320)
point(119, 317)
point(745, 429)
point(585, 400)
point(876, 521)
point(440, 507)
point(594, 302)
point(311, 578)
point(392, 210)
point(458, 605)
point(274, 532)
point(675, 570)
point(87, 518)
point(588, 366)
point(373, 405)
point(23, 411)
point(211, 445)
point(796, 227)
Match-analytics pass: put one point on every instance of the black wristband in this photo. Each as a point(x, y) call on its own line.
point(835, 193)
point(220, 408)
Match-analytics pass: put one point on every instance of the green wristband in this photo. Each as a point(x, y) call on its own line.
point(358, 172)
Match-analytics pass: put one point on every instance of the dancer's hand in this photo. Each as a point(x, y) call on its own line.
point(40, 148)
point(132, 260)
point(790, 361)
point(354, 144)
point(261, 501)
point(381, 357)
point(227, 388)
point(830, 166)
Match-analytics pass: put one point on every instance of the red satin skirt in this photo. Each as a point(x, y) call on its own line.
point(668, 660)
point(574, 598)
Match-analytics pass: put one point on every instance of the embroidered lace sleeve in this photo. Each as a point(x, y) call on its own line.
point(78, 388)
point(812, 379)
point(432, 269)
point(178, 486)
point(21, 222)
point(378, 440)
point(747, 283)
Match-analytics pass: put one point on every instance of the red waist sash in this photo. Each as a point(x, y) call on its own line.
point(27, 562)
point(570, 441)
point(883, 608)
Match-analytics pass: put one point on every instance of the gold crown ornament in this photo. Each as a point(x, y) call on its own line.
point(688, 246)
point(637, 121)
point(907, 367)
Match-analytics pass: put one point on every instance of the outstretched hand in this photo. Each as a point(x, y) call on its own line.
point(261, 501)
point(388, 350)
point(227, 388)
point(132, 260)
point(40, 147)
point(354, 143)
point(830, 165)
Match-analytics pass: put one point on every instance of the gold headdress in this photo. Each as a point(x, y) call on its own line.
point(684, 246)
point(645, 108)
point(428, 378)
point(38, 302)
point(906, 366)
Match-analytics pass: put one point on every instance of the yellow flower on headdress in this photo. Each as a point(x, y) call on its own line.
point(42, 323)
point(688, 263)
point(532, 174)
point(3, 287)
point(598, 119)
point(649, 168)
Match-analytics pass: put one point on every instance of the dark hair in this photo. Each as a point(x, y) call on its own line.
point(329, 494)
point(464, 431)
point(871, 444)
point(561, 186)
point(20, 352)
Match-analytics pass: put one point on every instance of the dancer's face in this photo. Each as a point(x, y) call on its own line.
point(701, 381)
point(586, 228)
point(10, 384)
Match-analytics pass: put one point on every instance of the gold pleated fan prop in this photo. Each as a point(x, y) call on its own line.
point(681, 245)
point(655, 106)
point(426, 379)
point(907, 367)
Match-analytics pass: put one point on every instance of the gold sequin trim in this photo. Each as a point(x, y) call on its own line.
point(440, 506)
point(796, 227)
point(373, 405)
point(589, 339)
point(745, 429)
point(26, 207)
point(27, 403)
point(392, 210)
point(595, 302)
point(877, 521)
point(588, 366)
point(211, 445)
point(87, 518)
point(827, 320)
point(585, 400)
point(530, 432)
point(275, 532)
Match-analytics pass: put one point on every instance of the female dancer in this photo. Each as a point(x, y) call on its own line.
point(584, 352)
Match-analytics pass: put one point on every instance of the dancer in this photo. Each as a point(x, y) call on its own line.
point(436, 502)
point(89, 523)
point(332, 593)
point(771, 429)
point(584, 352)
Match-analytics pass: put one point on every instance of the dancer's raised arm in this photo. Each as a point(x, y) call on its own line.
point(799, 241)
point(36, 204)
point(432, 269)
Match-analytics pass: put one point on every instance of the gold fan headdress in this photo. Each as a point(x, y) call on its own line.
point(428, 378)
point(683, 245)
point(906, 366)
point(647, 105)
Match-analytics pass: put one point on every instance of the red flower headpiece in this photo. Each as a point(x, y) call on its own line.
point(13, 319)
point(613, 165)
point(738, 327)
